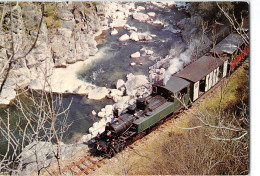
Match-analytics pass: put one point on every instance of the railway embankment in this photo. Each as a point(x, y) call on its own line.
point(184, 145)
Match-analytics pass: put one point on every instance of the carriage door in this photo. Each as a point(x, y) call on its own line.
point(210, 79)
point(215, 77)
point(207, 83)
point(196, 90)
point(225, 68)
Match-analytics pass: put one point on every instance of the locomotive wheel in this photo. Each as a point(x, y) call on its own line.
point(122, 146)
point(109, 155)
point(117, 148)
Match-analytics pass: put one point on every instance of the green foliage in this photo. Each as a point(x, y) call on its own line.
point(22, 4)
point(13, 3)
point(95, 3)
point(48, 22)
point(51, 23)
point(57, 24)
point(5, 27)
point(50, 8)
point(52, 18)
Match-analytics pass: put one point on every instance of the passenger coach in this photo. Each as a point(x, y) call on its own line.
point(203, 74)
point(234, 47)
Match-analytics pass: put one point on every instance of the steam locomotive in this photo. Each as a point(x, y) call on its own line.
point(182, 88)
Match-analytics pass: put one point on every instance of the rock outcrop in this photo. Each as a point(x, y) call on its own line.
point(38, 155)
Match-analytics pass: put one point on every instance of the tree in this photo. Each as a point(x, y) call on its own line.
point(42, 117)
point(42, 122)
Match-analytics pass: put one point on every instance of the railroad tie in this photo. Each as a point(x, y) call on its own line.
point(72, 171)
point(92, 161)
point(80, 167)
point(86, 172)
point(85, 164)
point(83, 172)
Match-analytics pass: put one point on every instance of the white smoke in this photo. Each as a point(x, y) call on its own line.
point(178, 62)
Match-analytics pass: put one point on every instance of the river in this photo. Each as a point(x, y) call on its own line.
point(114, 64)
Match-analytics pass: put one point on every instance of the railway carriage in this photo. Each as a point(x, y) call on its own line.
point(234, 47)
point(203, 74)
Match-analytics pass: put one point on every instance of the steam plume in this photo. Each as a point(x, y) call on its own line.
point(178, 62)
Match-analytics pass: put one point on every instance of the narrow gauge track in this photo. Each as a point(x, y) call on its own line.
point(88, 163)
point(83, 166)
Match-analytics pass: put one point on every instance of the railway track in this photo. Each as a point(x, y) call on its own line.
point(83, 166)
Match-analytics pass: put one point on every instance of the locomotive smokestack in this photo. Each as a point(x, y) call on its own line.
point(140, 103)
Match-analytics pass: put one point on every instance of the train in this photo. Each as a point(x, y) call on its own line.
point(183, 88)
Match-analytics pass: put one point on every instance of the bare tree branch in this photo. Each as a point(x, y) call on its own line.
point(13, 57)
point(233, 24)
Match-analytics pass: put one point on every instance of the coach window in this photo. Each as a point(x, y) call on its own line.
point(220, 74)
point(202, 84)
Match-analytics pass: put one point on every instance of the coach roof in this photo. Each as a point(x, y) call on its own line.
point(200, 68)
point(175, 84)
point(229, 45)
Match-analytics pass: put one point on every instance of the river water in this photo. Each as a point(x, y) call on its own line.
point(114, 64)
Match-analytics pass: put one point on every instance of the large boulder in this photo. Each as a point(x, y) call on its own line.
point(8, 92)
point(124, 37)
point(114, 32)
point(98, 93)
point(149, 52)
point(135, 55)
point(134, 82)
point(39, 155)
point(144, 37)
point(118, 23)
point(141, 17)
point(120, 83)
point(37, 152)
point(151, 14)
point(134, 36)
point(7, 95)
